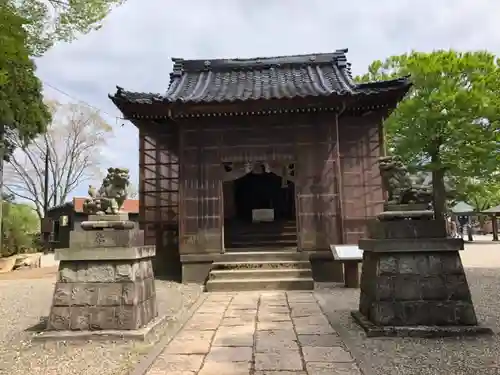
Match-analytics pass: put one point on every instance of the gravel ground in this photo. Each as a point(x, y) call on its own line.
point(24, 302)
point(390, 356)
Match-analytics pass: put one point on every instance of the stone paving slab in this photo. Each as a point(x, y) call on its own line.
point(266, 333)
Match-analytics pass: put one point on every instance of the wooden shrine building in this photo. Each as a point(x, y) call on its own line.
point(240, 154)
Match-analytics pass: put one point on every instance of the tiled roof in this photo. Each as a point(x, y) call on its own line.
point(130, 205)
point(462, 207)
point(492, 210)
point(230, 80)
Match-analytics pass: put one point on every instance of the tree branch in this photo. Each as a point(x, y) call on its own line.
point(74, 141)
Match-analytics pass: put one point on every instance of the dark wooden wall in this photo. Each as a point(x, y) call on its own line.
point(316, 187)
point(360, 148)
point(334, 200)
point(201, 208)
point(159, 193)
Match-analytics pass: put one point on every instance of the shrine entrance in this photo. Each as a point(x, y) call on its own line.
point(259, 208)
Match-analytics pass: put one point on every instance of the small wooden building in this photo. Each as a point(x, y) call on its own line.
point(68, 216)
point(289, 139)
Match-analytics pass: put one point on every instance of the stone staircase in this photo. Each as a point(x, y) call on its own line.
point(261, 270)
point(239, 236)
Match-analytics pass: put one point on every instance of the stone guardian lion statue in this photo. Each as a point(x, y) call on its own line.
point(397, 182)
point(111, 195)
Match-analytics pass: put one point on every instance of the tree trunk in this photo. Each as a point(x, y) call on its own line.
point(2, 155)
point(438, 190)
point(46, 235)
point(494, 224)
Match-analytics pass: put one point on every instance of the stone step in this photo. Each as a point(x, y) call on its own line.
point(260, 228)
point(261, 235)
point(286, 273)
point(270, 264)
point(294, 283)
point(276, 243)
point(261, 249)
point(262, 256)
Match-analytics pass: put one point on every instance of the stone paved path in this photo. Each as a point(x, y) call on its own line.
point(265, 333)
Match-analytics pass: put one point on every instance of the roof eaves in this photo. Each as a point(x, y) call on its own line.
point(136, 97)
point(401, 82)
point(492, 210)
point(62, 205)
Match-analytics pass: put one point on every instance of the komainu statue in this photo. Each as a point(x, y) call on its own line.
point(111, 195)
point(397, 182)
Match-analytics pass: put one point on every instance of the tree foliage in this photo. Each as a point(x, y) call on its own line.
point(75, 141)
point(50, 21)
point(23, 115)
point(480, 194)
point(450, 120)
point(20, 227)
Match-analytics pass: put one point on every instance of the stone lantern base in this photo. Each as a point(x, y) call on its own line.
point(413, 282)
point(105, 279)
point(116, 292)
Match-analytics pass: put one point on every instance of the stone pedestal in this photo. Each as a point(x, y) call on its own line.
point(412, 281)
point(351, 274)
point(105, 279)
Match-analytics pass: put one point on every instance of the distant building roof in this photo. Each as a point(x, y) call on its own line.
point(130, 205)
point(493, 210)
point(282, 77)
point(462, 208)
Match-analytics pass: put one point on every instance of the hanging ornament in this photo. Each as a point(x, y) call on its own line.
point(248, 167)
point(284, 177)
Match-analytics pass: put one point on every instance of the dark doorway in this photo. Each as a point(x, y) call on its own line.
point(259, 190)
point(264, 190)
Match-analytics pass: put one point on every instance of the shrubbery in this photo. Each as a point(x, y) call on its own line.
point(20, 227)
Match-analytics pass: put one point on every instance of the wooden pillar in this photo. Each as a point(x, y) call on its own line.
point(158, 181)
point(296, 188)
point(142, 177)
point(182, 182)
point(351, 274)
point(469, 230)
point(228, 198)
point(340, 187)
point(494, 224)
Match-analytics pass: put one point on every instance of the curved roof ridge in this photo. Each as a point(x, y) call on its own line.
point(252, 63)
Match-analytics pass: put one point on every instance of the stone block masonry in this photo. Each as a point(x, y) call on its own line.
point(415, 289)
point(413, 282)
point(101, 295)
point(105, 279)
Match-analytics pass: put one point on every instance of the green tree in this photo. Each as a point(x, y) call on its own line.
point(481, 194)
point(23, 114)
point(50, 21)
point(20, 225)
point(449, 122)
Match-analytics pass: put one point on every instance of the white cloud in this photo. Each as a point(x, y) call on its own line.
point(135, 46)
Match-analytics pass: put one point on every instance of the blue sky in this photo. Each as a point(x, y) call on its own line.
point(134, 47)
